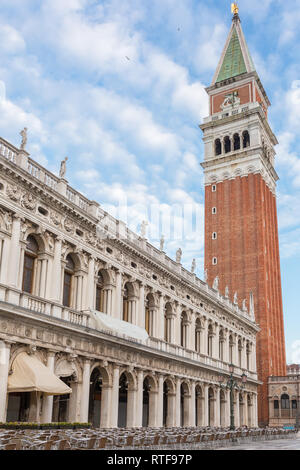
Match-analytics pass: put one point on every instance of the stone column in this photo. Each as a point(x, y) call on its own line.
point(254, 409)
point(117, 298)
point(14, 253)
point(192, 406)
point(115, 397)
point(204, 336)
point(192, 334)
point(178, 403)
point(5, 261)
point(106, 406)
point(85, 391)
point(227, 408)
point(159, 333)
point(4, 370)
point(160, 399)
point(56, 272)
point(89, 300)
point(217, 409)
point(139, 399)
point(48, 400)
point(206, 405)
point(237, 410)
point(245, 421)
point(215, 343)
point(141, 307)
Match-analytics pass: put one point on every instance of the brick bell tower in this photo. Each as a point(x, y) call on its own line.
point(241, 229)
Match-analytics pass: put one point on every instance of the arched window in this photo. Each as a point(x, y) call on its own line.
point(230, 349)
point(198, 336)
point(209, 340)
point(183, 330)
point(221, 345)
point(285, 402)
point(126, 303)
point(227, 144)
point(240, 352)
point(246, 139)
point(68, 281)
point(218, 147)
point(99, 293)
point(31, 254)
point(167, 323)
point(236, 142)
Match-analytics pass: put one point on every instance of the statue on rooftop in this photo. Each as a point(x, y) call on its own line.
point(63, 168)
point(23, 134)
point(144, 225)
point(162, 243)
point(216, 283)
point(178, 255)
point(193, 268)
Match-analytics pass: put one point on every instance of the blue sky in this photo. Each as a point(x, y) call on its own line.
point(118, 86)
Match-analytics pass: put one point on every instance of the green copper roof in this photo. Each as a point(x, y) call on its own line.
point(233, 63)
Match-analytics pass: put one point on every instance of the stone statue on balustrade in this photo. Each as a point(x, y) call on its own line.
point(226, 292)
point(205, 276)
point(216, 283)
point(194, 265)
point(144, 225)
point(178, 255)
point(162, 243)
point(23, 134)
point(63, 168)
point(235, 298)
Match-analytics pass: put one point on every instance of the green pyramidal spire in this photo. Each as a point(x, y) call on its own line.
point(236, 58)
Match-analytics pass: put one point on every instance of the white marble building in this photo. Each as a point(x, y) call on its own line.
point(134, 338)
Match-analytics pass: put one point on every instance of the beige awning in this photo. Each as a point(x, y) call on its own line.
point(29, 374)
point(103, 322)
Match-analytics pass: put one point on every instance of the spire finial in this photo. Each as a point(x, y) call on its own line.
point(234, 9)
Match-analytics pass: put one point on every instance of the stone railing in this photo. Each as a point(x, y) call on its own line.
point(7, 151)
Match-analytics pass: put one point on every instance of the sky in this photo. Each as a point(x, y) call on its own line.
point(119, 88)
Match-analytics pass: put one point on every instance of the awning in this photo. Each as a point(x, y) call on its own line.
point(101, 321)
point(31, 375)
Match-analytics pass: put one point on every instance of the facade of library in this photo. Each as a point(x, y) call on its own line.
point(98, 325)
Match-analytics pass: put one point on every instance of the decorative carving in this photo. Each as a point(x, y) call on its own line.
point(28, 201)
point(68, 224)
point(231, 100)
point(13, 192)
point(56, 218)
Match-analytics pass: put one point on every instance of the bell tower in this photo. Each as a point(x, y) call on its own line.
point(241, 229)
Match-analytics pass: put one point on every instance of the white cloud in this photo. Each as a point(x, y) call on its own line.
point(295, 352)
point(11, 40)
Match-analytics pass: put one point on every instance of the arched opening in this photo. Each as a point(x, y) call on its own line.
point(61, 403)
point(276, 408)
point(183, 329)
point(248, 351)
point(221, 345)
point(211, 411)
point(236, 142)
point(227, 144)
point(149, 314)
point(18, 407)
point(167, 323)
point(100, 293)
point(222, 409)
point(240, 348)
point(209, 340)
point(246, 139)
point(30, 257)
point(68, 281)
point(285, 406)
point(218, 147)
point(198, 335)
point(95, 398)
point(129, 303)
point(199, 406)
point(123, 400)
point(231, 349)
point(146, 402)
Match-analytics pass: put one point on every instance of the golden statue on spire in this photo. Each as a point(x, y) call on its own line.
point(235, 8)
